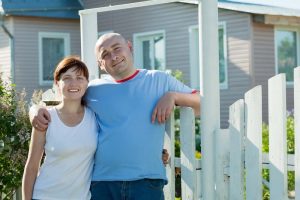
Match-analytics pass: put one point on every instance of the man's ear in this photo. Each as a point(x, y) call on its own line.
point(100, 65)
point(129, 44)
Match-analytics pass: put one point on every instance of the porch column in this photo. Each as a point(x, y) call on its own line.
point(209, 90)
point(89, 36)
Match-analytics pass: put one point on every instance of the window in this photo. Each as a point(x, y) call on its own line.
point(194, 56)
point(52, 48)
point(286, 52)
point(149, 50)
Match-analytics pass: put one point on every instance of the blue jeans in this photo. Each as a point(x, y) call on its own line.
point(144, 189)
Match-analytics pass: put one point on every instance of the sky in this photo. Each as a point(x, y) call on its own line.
point(281, 3)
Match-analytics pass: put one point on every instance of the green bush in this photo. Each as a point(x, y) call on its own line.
point(14, 136)
point(290, 150)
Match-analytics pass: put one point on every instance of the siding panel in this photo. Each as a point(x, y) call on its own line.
point(264, 63)
point(26, 47)
point(5, 51)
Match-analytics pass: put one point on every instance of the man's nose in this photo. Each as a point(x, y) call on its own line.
point(115, 56)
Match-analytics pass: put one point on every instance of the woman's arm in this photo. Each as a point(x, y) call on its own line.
point(36, 150)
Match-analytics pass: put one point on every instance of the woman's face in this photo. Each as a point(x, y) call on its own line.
point(72, 84)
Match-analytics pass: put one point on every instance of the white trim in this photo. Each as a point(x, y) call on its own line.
point(137, 51)
point(65, 36)
point(289, 84)
point(192, 49)
point(225, 84)
point(194, 69)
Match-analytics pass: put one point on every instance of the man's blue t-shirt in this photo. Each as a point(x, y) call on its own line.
point(129, 145)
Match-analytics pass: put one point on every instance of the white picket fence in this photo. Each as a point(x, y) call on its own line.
point(239, 158)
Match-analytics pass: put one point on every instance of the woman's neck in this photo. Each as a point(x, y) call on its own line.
point(70, 107)
point(70, 113)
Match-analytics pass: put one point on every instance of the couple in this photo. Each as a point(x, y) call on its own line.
point(130, 111)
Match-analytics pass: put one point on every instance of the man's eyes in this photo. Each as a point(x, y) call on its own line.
point(104, 56)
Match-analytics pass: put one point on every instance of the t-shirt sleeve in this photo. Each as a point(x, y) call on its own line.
point(177, 86)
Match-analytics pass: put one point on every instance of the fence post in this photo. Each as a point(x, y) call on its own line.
point(297, 130)
point(222, 164)
point(277, 137)
point(169, 189)
point(237, 133)
point(187, 153)
point(253, 148)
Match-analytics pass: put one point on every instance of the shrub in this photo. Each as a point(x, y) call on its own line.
point(14, 136)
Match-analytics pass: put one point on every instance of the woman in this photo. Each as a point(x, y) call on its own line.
point(69, 142)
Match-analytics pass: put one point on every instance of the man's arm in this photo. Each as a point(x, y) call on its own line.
point(165, 105)
point(39, 117)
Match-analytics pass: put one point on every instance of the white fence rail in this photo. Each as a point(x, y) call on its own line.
point(239, 157)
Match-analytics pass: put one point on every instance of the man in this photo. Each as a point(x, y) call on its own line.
point(131, 108)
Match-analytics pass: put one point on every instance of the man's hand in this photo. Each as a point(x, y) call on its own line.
point(164, 108)
point(165, 156)
point(39, 118)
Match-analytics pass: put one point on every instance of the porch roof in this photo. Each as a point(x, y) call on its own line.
point(41, 8)
point(254, 8)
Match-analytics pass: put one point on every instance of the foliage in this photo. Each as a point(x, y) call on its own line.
point(290, 150)
point(14, 136)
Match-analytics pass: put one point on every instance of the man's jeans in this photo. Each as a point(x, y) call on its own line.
point(144, 189)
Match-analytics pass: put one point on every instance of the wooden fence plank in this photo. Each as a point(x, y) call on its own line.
point(222, 164)
point(169, 189)
point(237, 132)
point(187, 153)
point(277, 137)
point(297, 130)
point(253, 143)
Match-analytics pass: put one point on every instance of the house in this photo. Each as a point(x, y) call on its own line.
point(256, 42)
point(34, 36)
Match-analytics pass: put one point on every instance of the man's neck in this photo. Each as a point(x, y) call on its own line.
point(131, 76)
point(126, 76)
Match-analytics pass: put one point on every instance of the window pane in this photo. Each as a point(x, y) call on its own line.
point(146, 54)
point(53, 52)
point(221, 56)
point(222, 77)
point(159, 52)
point(286, 53)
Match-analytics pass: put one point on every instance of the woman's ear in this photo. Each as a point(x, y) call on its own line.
point(57, 92)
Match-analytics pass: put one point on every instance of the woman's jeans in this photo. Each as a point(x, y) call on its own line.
point(144, 189)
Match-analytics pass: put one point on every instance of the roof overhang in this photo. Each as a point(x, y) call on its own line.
point(253, 8)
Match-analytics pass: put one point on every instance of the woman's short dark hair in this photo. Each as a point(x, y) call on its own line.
point(67, 63)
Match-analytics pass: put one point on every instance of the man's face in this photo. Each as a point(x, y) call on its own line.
point(115, 57)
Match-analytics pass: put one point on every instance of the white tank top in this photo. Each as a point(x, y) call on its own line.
point(66, 171)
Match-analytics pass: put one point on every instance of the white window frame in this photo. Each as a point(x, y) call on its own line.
point(66, 37)
point(194, 69)
point(137, 51)
point(287, 28)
